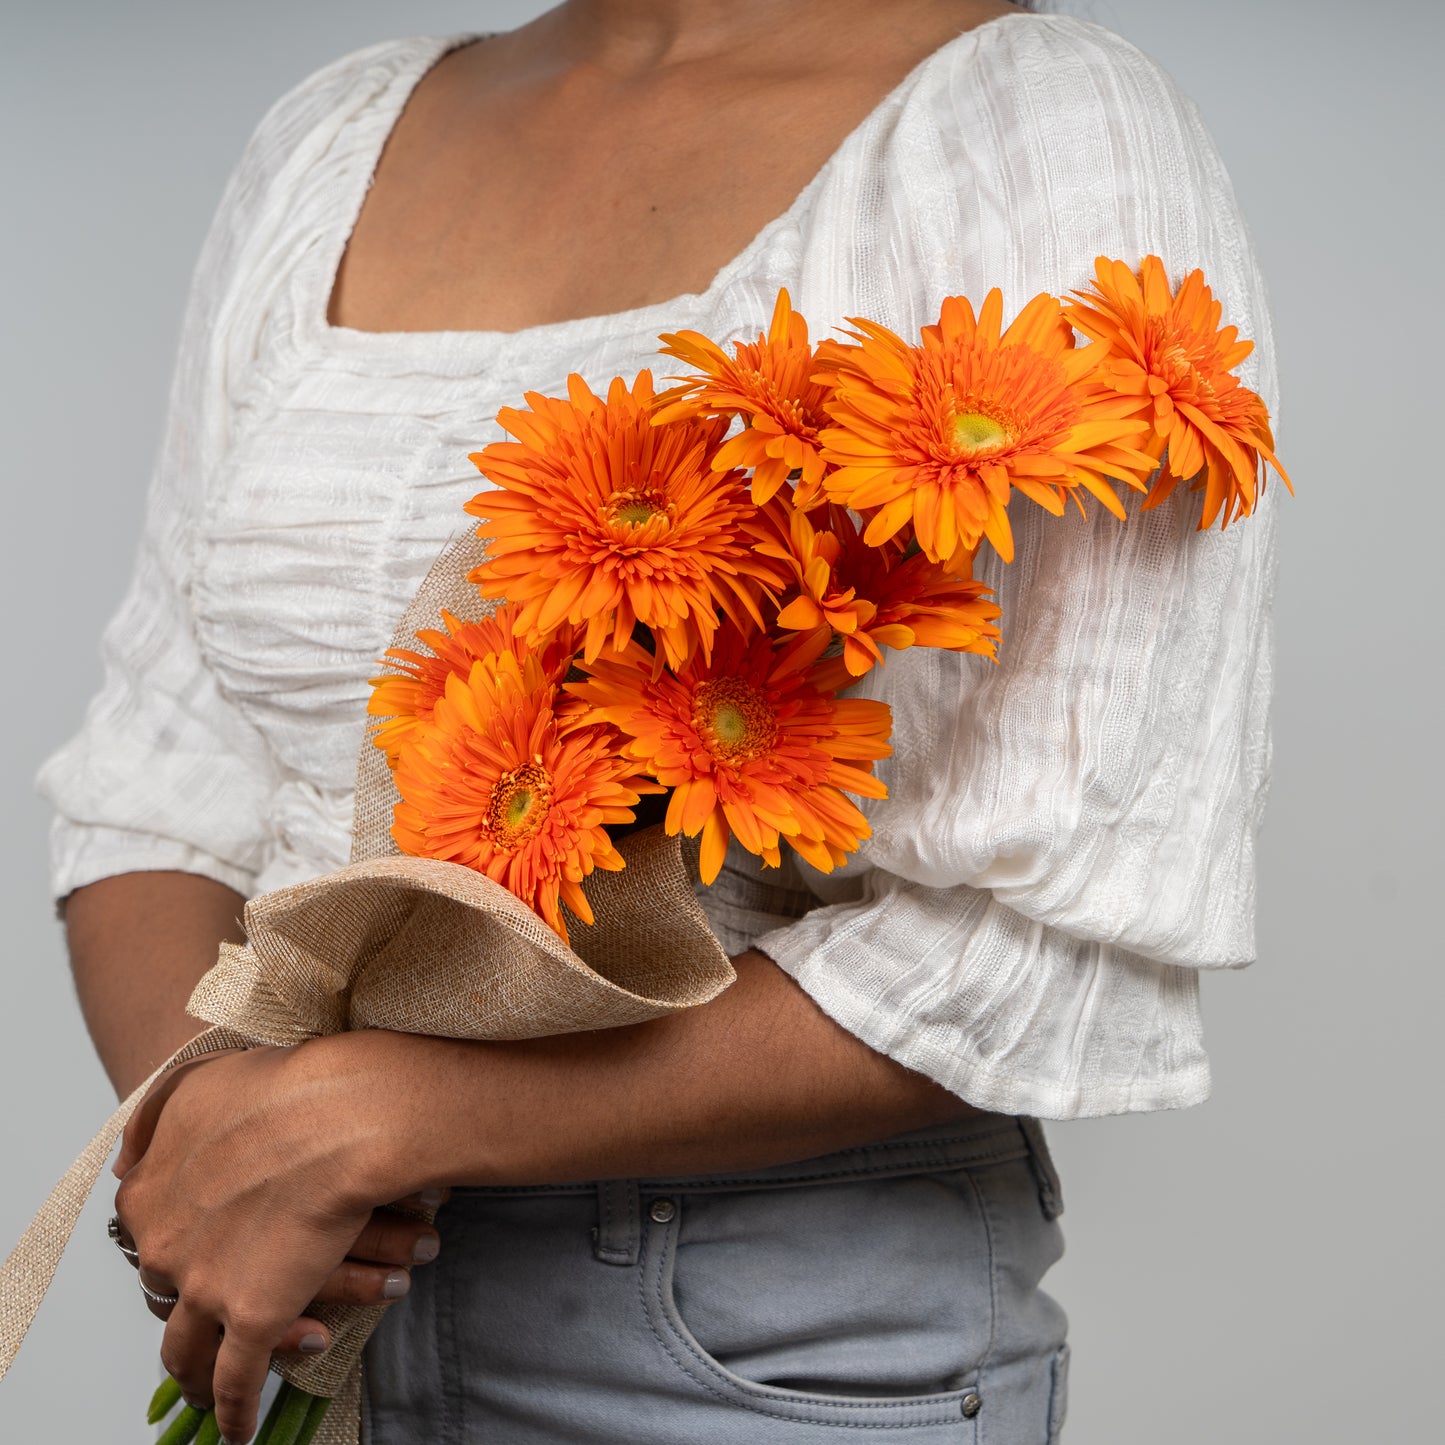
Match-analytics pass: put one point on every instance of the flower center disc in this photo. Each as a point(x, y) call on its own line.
point(520, 802)
point(733, 719)
point(977, 434)
point(635, 509)
point(792, 413)
point(1171, 357)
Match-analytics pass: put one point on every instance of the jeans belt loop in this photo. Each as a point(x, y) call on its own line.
point(618, 1236)
point(1051, 1194)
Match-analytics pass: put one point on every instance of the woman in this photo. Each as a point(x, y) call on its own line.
point(417, 235)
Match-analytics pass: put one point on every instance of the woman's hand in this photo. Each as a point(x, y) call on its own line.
point(377, 1265)
point(245, 1189)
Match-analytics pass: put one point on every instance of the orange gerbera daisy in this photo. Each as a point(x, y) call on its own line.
point(874, 597)
point(496, 784)
point(937, 435)
point(408, 695)
point(750, 744)
point(603, 520)
point(770, 384)
point(1168, 353)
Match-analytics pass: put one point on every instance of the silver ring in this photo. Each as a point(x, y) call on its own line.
point(153, 1297)
point(117, 1235)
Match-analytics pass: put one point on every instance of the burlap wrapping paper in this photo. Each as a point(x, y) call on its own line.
point(419, 946)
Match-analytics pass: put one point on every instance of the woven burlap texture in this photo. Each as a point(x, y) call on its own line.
point(419, 946)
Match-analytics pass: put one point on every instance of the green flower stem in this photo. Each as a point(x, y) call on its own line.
point(293, 1419)
point(165, 1399)
point(314, 1416)
point(296, 1404)
point(184, 1427)
point(268, 1425)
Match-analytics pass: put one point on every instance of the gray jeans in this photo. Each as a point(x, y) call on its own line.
point(890, 1288)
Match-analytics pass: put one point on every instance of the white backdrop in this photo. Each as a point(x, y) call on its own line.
point(1260, 1270)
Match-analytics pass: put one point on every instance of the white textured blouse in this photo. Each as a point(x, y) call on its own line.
point(1069, 835)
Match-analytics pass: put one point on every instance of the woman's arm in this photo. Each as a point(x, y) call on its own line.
point(139, 943)
point(252, 1179)
point(758, 1076)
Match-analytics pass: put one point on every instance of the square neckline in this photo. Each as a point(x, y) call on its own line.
point(669, 312)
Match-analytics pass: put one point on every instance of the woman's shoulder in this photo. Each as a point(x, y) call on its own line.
point(348, 87)
point(358, 92)
point(1032, 117)
point(1054, 79)
point(1054, 53)
point(1052, 120)
point(1065, 141)
point(1013, 157)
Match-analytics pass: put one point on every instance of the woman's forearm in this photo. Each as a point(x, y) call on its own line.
point(760, 1075)
point(139, 943)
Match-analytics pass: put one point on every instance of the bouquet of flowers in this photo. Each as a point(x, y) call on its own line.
point(651, 638)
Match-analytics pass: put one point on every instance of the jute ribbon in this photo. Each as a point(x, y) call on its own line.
point(418, 946)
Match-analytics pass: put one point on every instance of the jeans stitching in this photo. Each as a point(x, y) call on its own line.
point(612, 1246)
point(736, 1388)
point(988, 1235)
point(447, 1286)
point(1046, 1174)
point(1058, 1410)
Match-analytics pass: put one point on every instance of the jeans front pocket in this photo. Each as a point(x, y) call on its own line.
point(860, 1303)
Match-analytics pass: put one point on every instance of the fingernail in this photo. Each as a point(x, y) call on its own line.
point(431, 1198)
point(312, 1344)
point(397, 1284)
point(426, 1249)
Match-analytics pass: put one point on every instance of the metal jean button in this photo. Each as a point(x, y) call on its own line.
point(662, 1210)
point(971, 1405)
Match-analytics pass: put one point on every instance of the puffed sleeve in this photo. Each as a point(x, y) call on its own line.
point(1069, 835)
point(166, 773)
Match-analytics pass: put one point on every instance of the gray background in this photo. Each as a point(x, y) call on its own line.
point(1260, 1270)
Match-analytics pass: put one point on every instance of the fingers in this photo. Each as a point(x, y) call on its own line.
point(188, 1352)
point(125, 1240)
point(353, 1283)
point(429, 1200)
point(159, 1290)
point(395, 1239)
point(306, 1337)
point(241, 1365)
point(227, 1367)
point(387, 1239)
